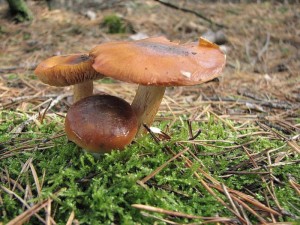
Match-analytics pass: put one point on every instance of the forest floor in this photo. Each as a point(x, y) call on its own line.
point(241, 167)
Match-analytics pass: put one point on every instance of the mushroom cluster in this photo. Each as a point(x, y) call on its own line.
point(153, 63)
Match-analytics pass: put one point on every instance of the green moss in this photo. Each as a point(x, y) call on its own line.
point(19, 10)
point(104, 189)
point(116, 25)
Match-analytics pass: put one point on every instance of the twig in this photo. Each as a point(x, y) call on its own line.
point(248, 94)
point(20, 99)
point(12, 68)
point(277, 127)
point(9, 69)
point(273, 104)
point(166, 3)
point(192, 136)
point(42, 116)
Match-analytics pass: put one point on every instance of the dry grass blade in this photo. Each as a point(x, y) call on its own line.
point(20, 150)
point(20, 99)
point(246, 172)
point(36, 179)
point(249, 199)
point(294, 185)
point(265, 133)
point(281, 164)
point(224, 121)
point(230, 200)
point(160, 219)
point(292, 143)
point(71, 218)
point(145, 179)
point(239, 194)
point(13, 182)
point(206, 186)
point(177, 214)
point(24, 169)
point(48, 212)
point(253, 212)
point(25, 146)
point(225, 148)
point(20, 127)
point(23, 217)
point(236, 195)
point(4, 213)
point(281, 223)
point(218, 220)
point(189, 164)
point(24, 203)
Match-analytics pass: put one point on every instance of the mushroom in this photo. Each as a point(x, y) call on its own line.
point(75, 69)
point(154, 64)
point(100, 123)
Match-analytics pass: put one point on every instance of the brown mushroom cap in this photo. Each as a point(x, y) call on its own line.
point(100, 123)
point(66, 70)
point(158, 61)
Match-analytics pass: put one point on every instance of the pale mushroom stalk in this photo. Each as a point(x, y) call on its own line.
point(82, 90)
point(146, 104)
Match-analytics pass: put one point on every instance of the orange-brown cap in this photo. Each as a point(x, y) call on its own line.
point(158, 61)
point(100, 123)
point(66, 70)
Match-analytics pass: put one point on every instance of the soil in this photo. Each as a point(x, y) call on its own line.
point(261, 40)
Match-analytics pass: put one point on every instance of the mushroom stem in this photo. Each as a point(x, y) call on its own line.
point(82, 90)
point(146, 104)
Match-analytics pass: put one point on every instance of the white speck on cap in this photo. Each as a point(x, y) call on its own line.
point(186, 73)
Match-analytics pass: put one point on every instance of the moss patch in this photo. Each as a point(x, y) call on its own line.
point(104, 189)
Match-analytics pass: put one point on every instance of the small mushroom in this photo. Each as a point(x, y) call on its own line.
point(154, 64)
point(101, 123)
point(65, 70)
